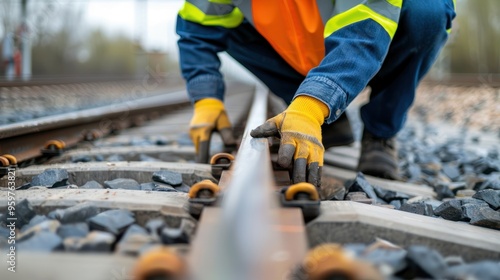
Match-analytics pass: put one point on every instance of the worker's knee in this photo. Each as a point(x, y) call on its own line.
point(425, 21)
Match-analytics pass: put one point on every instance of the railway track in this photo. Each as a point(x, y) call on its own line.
point(248, 223)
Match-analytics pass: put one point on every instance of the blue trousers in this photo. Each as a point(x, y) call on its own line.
point(419, 38)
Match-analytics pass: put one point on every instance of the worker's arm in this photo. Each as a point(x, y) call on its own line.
point(356, 43)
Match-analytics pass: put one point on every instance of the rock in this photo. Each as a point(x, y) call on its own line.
point(92, 185)
point(74, 214)
point(443, 191)
point(81, 158)
point(182, 188)
point(99, 158)
point(122, 183)
point(52, 177)
point(457, 186)
point(188, 226)
point(44, 241)
point(140, 142)
point(485, 165)
point(414, 172)
point(174, 236)
point(471, 210)
point(360, 184)
point(489, 183)
point(115, 158)
point(33, 222)
point(340, 194)
point(425, 263)
point(143, 157)
point(492, 197)
point(418, 208)
point(162, 141)
point(164, 188)
point(148, 186)
point(48, 225)
point(451, 171)
point(154, 227)
point(73, 230)
point(112, 221)
point(486, 217)
point(389, 196)
point(396, 203)
point(168, 177)
point(359, 197)
point(433, 203)
point(466, 193)
point(95, 241)
point(395, 259)
point(454, 260)
point(450, 210)
point(477, 270)
point(135, 238)
point(431, 169)
point(416, 199)
point(474, 182)
point(24, 213)
point(356, 248)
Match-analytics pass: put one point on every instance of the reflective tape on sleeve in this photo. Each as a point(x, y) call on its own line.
point(210, 13)
point(384, 12)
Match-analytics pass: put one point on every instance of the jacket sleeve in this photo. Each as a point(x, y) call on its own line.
point(357, 40)
point(203, 27)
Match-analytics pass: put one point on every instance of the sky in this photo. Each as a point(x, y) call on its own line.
point(159, 31)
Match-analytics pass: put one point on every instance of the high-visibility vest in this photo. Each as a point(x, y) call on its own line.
point(295, 28)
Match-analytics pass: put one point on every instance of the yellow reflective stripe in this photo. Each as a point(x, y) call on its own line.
point(226, 2)
point(397, 3)
point(191, 13)
point(357, 14)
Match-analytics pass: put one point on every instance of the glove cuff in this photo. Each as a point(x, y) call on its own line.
point(209, 103)
point(311, 107)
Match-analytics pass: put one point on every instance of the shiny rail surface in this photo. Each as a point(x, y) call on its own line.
point(245, 239)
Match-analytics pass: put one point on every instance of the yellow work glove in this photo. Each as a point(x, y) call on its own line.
point(299, 128)
point(209, 116)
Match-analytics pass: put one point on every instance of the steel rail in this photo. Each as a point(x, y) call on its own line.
point(47, 81)
point(244, 239)
point(24, 140)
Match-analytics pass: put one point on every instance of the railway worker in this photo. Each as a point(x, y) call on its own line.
point(317, 55)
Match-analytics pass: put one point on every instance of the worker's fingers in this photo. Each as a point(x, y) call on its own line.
point(227, 136)
point(314, 174)
point(267, 129)
point(285, 155)
point(199, 134)
point(203, 153)
point(299, 170)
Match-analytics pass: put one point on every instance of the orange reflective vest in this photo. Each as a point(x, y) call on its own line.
point(301, 43)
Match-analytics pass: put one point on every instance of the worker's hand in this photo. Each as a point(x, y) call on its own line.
point(299, 128)
point(209, 116)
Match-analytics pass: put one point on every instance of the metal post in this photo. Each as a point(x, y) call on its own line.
point(140, 30)
point(26, 42)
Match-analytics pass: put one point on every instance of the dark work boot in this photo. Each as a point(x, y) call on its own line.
point(338, 133)
point(378, 157)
